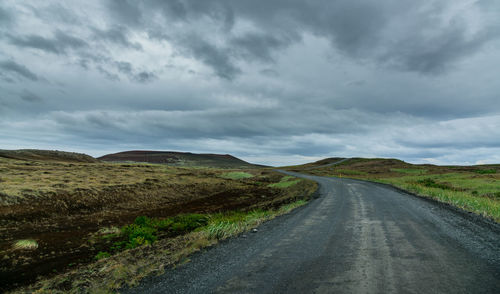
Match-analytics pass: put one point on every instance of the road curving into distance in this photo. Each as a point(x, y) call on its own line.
point(357, 237)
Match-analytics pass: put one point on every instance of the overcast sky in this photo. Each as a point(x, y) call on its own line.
point(270, 81)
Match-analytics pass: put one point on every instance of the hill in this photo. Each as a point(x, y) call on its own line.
point(178, 159)
point(474, 188)
point(46, 155)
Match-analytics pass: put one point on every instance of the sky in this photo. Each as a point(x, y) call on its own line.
point(274, 82)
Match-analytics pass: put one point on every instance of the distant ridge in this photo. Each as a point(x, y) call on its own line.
point(178, 158)
point(46, 155)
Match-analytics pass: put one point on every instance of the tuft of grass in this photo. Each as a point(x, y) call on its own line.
point(485, 171)
point(224, 225)
point(429, 182)
point(27, 244)
point(285, 182)
point(145, 230)
point(102, 255)
point(236, 175)
point(410, 171)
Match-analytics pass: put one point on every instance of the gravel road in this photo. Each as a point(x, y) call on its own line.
point(357, 237)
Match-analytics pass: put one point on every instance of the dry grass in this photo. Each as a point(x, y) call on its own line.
point(128, 268)
point(69, 207)
point(27, 244)
point(31, 179)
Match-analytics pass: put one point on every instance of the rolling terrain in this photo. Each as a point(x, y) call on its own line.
point(179, 159)
point(472, 188)
point(98, 226)
point(357, 237)
point(72, 212)
point(47, 155)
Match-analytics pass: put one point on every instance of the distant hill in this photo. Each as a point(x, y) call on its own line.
point(179, 159)
point(382, 166)
point(46, 155)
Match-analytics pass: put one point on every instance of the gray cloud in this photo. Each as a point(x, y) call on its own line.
point(270, 81)
point(9, 66)
point(6, 17)
point(56, 12)
point(211, 55)
point(260, 47)
point(360, 29)
point(117, 35)
point(144, 77)
point(30, 97)
point(124, 67)
point(59, 44)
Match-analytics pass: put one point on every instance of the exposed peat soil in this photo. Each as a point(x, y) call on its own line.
point(67, 235)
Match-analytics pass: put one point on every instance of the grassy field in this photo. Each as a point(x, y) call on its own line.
point(59, 217)
point(472, 188)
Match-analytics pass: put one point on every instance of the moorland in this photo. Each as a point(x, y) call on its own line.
point(69, 221)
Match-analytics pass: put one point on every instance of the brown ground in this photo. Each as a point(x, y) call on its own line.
point(66, 204)
point(178, 159)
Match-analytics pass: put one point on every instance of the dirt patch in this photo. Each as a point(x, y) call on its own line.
point(64, 222)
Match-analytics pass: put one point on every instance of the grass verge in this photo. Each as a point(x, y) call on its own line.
point(472, 188)
point(125, 269)
point(486, 203)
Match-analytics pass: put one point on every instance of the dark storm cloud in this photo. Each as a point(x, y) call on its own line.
point(211, 55)
point(19, 70)
point(144, 77)
point(124, 67)
point(362, 29)
point(253, 46)
point(59, 44)
point(271, 79)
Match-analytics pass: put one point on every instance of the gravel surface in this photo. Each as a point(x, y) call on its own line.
point(357, 237)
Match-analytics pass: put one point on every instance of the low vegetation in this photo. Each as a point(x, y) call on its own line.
point(28, 244)
point(103, 219)
point(236, 175)
point(127, 268)
point(472, 188)
point(285, 182)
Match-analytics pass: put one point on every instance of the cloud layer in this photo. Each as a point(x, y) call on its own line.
point(264, 80)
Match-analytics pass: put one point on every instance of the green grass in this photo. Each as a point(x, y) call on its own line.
point(476, 194)
point(219, 226)
point(224, 225)
point(145, 230)
point(285, 182)
point(473, 188)
point(127, 268)
point(486, 171)
point(410, 171)
point(348, 172)
point(236, 175)
point(101, 255)
point(28, 244)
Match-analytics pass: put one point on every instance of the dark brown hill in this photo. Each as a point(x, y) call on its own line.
point(46, 155)
point(178, 159)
